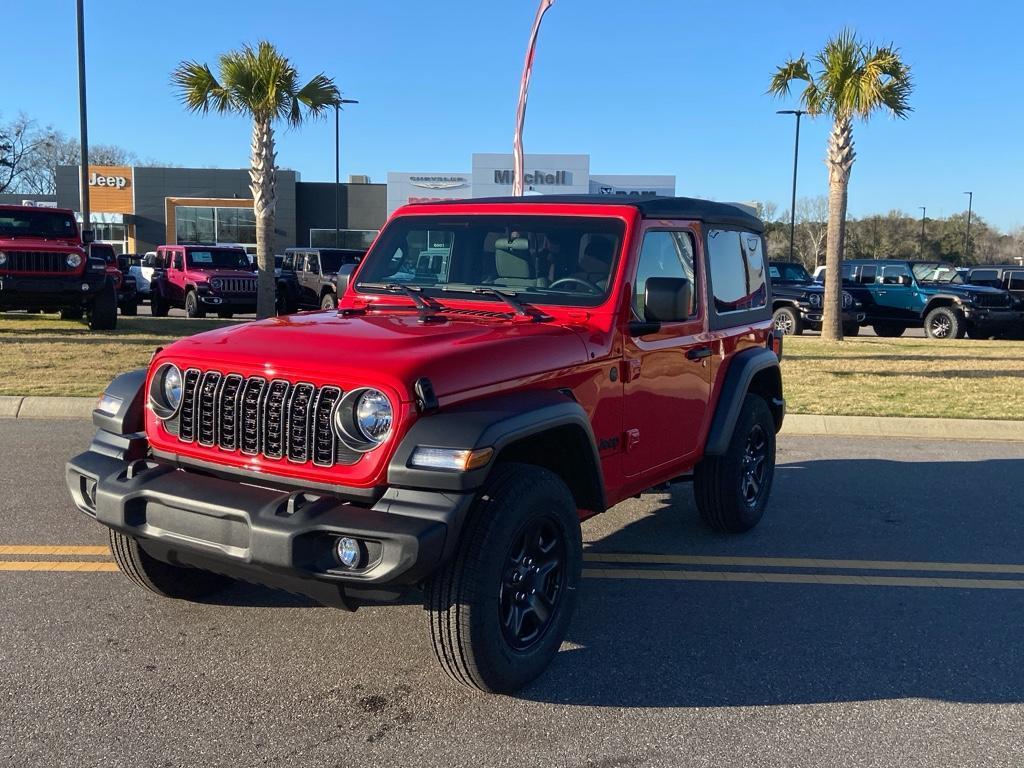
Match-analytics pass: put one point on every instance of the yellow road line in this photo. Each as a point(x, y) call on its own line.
point(51, 551)
point(801, 562)
point(57, 565)
point(802, 578)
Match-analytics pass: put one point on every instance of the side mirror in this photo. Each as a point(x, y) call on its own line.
point(667, 299)
point(88, 236)
point(343, 278)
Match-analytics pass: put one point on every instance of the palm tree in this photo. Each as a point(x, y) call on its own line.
point(262, 84)
point(853, 79)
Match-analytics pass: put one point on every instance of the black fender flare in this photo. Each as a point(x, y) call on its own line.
point(739, 377)
point(941, 300)
point(130, 415)
point(502, 423)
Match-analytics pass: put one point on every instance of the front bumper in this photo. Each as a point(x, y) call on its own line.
point(992, 318)
point(234, 303)
point(46, 292)
point(264, 535)
point(814, 316)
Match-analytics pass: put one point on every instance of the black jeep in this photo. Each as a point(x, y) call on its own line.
point(308, 277)
point(798, 301)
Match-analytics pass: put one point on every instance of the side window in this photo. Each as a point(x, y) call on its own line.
point(985, 277)
point(178, 261)
point(737, 271)
point(867, 275)
point(288, 261)
point(897, 274)
point(313, 263)
point(664, 253)
point(1015, 281)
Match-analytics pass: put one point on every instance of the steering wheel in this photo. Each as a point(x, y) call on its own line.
point(579, 281)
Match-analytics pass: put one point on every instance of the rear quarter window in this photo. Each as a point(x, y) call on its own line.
point(738, 280)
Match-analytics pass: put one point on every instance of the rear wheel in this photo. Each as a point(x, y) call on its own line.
point(888, 330)
point(787, 321)
point(944, 323)
point(158, 305)
point(732, 490)
point(103, 314)
point(328, 301)
point(162, 578)
point(130, 308)
point(501, 606)
point(193, 307)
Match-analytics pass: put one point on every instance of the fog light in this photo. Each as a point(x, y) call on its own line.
point(459, 459)
point(348, 552)
point(85, 286)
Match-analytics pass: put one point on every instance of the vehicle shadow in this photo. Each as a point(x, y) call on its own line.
point(672, 643)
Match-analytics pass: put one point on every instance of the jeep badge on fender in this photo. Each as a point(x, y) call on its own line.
point(449, 425)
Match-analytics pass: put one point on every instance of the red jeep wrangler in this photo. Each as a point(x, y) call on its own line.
point(497, 371)
point(198, 278)
point(45, 268)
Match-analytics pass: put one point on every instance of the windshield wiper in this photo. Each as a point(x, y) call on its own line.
point(425, 309)
point(521, 309)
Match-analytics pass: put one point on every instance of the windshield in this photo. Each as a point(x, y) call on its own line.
point(332, 260)
point(218, 258)
point(936, 272)
point(787, 272)
point(38, 222)
point(544, 259)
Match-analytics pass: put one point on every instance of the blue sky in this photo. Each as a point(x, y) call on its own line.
point(650, 86)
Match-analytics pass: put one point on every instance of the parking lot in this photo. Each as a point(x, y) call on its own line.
point(875, 614)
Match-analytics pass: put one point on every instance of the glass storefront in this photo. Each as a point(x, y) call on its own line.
point(350, 238)
point(198, 224)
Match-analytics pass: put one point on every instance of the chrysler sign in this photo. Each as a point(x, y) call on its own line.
point(438, 182)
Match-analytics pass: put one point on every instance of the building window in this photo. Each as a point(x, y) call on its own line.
point(350, 238)
point(199, 224)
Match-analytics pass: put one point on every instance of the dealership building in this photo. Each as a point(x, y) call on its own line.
point(137, 208)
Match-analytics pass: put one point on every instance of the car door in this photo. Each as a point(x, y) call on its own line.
point(896, 293)
point(311, 281)
point(666, 375)
point(176, 275)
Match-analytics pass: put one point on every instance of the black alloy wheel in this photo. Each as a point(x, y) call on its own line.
point(755, 458)
point(532, 584)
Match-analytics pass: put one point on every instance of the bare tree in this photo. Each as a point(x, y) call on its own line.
point(18, 142)
point(812, 215)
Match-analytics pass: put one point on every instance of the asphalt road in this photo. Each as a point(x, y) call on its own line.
point(852, 649)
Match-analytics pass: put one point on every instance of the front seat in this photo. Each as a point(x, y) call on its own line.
point(514, 265)
point(596, 262)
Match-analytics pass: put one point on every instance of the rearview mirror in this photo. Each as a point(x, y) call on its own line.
point(667, 299)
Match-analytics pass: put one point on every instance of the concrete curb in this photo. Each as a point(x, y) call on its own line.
point(881, 426)
point(796, 423)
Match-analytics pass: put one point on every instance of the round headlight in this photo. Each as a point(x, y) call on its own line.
point(165, 391)
point(3, 258)
point(814, 299)
point(363, 419)
point(215, 284)
point(73, 260)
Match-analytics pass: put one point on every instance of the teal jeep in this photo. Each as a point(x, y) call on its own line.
point(900, 294)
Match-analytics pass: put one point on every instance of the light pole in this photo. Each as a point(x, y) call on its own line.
point(83, 168)
point(920, 248)
point(524, 87)
point(796, 157)
point(337, 169)
point(967, 237)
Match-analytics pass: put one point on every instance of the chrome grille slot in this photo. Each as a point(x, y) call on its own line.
point(187, 413)
point(274, 419)
point(323, 427)
point(207, 408)
point(299, 410)
point(237, 285)
point(252, 422)
point(227, 408)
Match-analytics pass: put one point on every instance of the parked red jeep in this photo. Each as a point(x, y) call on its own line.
point(45, 268)
point(497, 371)
point(127, 292)
point(198, 278)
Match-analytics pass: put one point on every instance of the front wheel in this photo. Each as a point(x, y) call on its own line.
point(103, 314)
point(159, 577)
point(193, 307)
point(888, 330)
point(944, 323)
point(328, 301)
point(787, 321)
point(732, 490)
point(501, 606)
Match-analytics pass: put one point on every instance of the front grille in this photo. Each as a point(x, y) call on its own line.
point(37, 261)
point(996, 300)
point(235, 285)
point(276, 418)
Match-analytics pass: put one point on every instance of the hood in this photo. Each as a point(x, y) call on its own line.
point(961, 288)
point(40, 243)
point(391, 348)
point(208, 274)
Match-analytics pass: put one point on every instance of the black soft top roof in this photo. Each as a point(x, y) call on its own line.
point(650, 207)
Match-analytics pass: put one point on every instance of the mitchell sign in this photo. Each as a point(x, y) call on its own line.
point(537, 178)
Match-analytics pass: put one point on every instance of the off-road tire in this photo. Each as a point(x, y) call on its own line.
point(465, 598)
point(72, 313)
point(790, 319)
point(162, 578)
point(720, 483)
point(851, 329)
point(888, 330)
point(328, 301)
point(158, 306)
point(194, 307)
point(130, 308)
point(944, 323)
point(103, 313)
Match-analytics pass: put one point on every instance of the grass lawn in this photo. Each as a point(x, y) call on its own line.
point(42, 355)
point(966, 379)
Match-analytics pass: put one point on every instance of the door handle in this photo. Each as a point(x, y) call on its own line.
point(698, 353)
